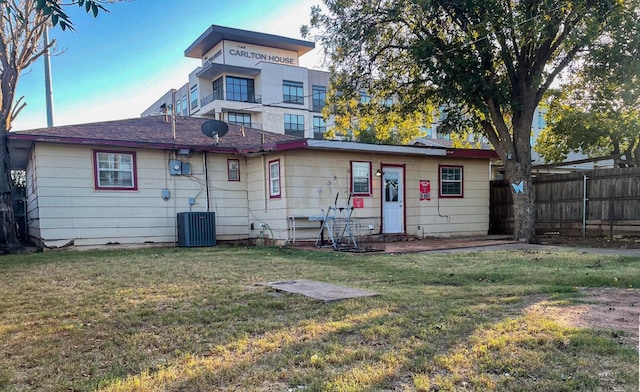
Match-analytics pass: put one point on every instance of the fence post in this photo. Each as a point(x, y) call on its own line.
point(584, 206)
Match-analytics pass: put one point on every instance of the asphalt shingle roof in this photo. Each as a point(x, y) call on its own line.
point(155, 132)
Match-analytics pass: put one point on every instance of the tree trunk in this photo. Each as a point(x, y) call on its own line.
point(518, 172)
point(8, 233)
point(524, 207)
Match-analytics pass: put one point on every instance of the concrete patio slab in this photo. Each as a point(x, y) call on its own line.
point(319, 290)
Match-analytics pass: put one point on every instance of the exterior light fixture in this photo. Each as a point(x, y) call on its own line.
point(379, 173)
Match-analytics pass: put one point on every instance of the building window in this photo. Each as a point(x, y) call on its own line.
point(240, 89)
point(292, 92)
point(294, 125)
point(443, 135)
point(319, 127)
point(115, 170)
point(541, 122)
point(274, 178)
point(451, 181)
point(218, 91)
point(178, 107)
point(185, 107)
point(425, 131)
point(240, 119)
point(364, 97)
point(319, 94)
point(361, 178)
point(233, 169)
point(194, 97)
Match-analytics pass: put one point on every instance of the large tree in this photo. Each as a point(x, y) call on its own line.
point(488, 62)
point(598, 112)
point(22, 26)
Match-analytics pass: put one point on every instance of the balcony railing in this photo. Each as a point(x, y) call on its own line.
point(216, 96)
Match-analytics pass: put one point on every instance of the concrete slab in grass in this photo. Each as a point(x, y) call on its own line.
point(319, 290)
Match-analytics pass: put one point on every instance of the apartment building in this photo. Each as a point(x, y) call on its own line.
point(252, 79)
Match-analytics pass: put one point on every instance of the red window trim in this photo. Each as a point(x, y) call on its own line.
point(113, 188)
point(229, 170)
point(461, 195)
point(279, 195)
point(370, 193)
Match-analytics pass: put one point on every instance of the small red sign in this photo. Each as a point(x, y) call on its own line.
point(358, 202)
point(425, 190)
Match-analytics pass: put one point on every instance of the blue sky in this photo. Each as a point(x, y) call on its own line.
point(115, 66)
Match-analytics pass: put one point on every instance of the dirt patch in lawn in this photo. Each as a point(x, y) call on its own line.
point(603, 308)
point(593, 242)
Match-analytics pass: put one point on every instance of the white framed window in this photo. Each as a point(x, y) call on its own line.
point(233, 169)
point(451, 181)
point(114, 170)
point(274, 179)
point(361, 178)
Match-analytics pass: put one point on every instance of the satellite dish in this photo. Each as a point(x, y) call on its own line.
point(214, 128)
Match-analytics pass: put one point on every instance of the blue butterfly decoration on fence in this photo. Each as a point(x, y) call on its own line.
point(519, 187)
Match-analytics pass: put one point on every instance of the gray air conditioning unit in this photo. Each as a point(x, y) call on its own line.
point(196, 229)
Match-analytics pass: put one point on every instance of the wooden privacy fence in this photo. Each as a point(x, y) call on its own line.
point(604, 202)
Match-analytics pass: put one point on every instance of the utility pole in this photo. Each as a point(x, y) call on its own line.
point(47, 79)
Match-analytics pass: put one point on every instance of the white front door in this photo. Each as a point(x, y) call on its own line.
point(392, 200)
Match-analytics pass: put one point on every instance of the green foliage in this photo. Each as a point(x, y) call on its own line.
point(489, 69)
point(53, 9)
point(487, 62)
point(371, 119)
point(599, 111)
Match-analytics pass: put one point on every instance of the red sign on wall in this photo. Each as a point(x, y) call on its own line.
point(425, 190)
point(358, 202)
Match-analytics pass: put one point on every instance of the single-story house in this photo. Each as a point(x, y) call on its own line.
point(130, 182)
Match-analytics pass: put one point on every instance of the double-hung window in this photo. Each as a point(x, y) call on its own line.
point(233, 169)
point(451, 181)
point(274, 179)
point(115, 170)
point(292, 92)
point(361, 178)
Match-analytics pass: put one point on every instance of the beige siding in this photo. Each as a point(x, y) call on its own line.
point(63, 204)
point(268, 215)
point(314, 178)
point(71, 209)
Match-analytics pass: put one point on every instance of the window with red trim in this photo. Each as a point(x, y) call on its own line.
point(274, 178)
point(115, 170)
point(451, 181)
point(361, 178)
point(233, 169)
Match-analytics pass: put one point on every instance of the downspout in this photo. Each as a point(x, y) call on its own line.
point(206, 178)
point(264, 184)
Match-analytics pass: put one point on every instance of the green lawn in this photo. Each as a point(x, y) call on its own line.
point(194, 319)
